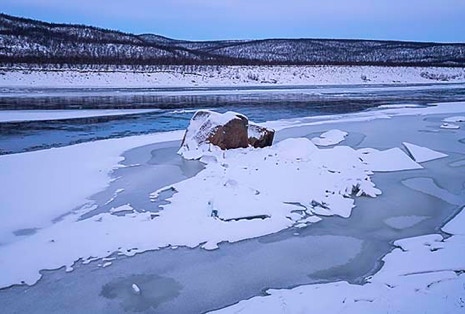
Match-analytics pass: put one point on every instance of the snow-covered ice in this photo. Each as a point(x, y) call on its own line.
point(56, 181)
point(455, 119)
point(451, 126)
point(422, 275)
point(123, 208)
point(287, 185)
point(393, 159)
point(277, 185)
point(41, 115)
point(329, 138)
point(135, 289)
point(422, 154)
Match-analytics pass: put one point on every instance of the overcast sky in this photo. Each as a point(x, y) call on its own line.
point(418, 20)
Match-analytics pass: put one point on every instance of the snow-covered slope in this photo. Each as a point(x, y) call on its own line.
point(180, 76)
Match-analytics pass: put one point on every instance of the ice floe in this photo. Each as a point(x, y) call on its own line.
point(455, 119)
point(422, 154)
point(329, 138)
point(120, 209)
point(451, 126)
point(393, 159)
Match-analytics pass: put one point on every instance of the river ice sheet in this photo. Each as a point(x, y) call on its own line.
point(366, 218)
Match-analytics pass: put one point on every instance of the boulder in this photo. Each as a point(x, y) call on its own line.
point(259, 136)
point(229, 130)
point(233, 134)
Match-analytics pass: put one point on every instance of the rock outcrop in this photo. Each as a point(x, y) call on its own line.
point(229, 130)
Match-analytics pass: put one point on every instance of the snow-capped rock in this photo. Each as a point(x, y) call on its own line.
point(228, 130)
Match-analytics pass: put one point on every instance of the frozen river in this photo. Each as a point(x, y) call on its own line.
point(171, 109)
point(185, 280)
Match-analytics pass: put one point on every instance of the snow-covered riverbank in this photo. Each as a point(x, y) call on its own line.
point(228, 76)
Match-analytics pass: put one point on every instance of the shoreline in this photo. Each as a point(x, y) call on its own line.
point(227, 76)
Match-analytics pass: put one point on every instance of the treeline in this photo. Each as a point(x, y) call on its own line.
point(25, 41)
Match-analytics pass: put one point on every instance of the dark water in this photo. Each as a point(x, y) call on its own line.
point(177, 106)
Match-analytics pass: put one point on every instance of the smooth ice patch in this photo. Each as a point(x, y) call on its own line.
point(403, 222)
point(428, 186)
point(139, 293)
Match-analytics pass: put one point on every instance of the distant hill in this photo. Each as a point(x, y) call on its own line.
point(30, 41)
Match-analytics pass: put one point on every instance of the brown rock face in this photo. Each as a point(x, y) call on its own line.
point(231, 135)
point(259, 136)
point(227, 131)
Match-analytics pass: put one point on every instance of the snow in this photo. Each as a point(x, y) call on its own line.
point(62, 180)
point(135, 289)
point(287, 185)
point(393, 159)
point(455, 119)
point(329, 138)
point(422, 275)
point(42, 115)
point(198, 131)
point(274, 184)
point(195, 142)
point(397, 106)
point(456, 225)
point(422, 154)
point(123, 208)
point(450, 126)
point(229, 76)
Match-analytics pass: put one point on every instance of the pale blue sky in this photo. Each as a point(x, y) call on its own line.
point(417, 20)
